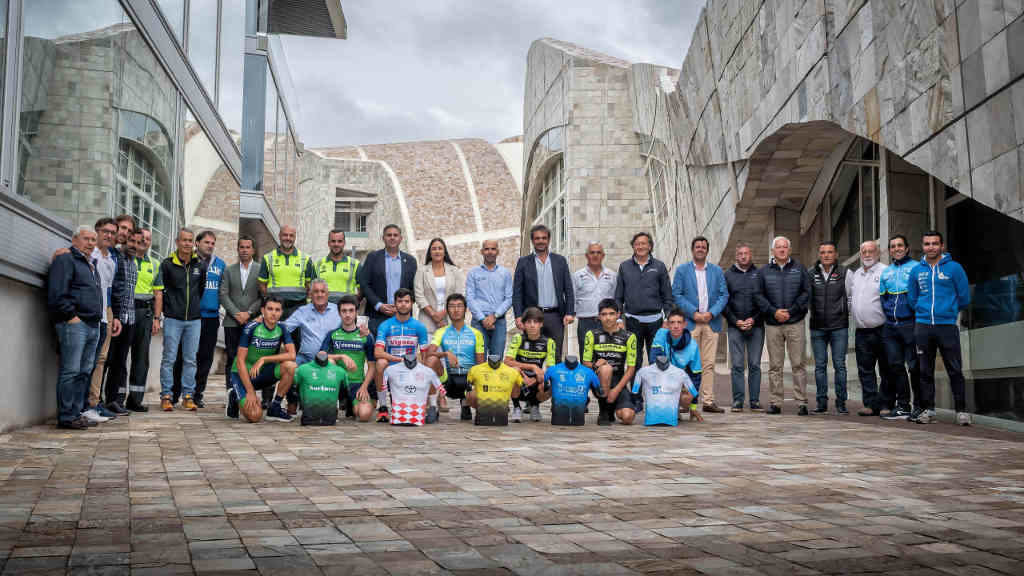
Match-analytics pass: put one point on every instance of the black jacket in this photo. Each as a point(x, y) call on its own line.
point(743, 288)
point(783, 288)
point(373, 280)
point(644, 292)
point(73, 289)
point(182, 286)
point(524, 285)
point(829, 307)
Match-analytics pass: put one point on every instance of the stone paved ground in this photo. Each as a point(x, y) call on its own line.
point(740, 494)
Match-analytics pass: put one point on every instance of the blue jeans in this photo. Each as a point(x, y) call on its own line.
point(838, 341)
point(494, 339)
point(745, 349)
point(184, 333)
point(77, 359)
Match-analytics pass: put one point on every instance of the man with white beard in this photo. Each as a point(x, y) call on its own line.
point(866, 308)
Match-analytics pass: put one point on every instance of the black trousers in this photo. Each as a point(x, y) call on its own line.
point(554, 328)
point(116, 384)
point(204, 359)
point(584, 325)
point(901, 352)
point(140, 354)
point(645, 332)
point(944, 338)
point(232, 334)
point(870, 351)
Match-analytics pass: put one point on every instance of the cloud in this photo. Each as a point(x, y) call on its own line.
point(456, 68)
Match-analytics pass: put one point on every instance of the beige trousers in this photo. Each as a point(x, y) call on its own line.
point(707, 341)
point(781, 340)
point(101, 359)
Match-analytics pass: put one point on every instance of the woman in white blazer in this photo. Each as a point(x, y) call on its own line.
point(435, 280)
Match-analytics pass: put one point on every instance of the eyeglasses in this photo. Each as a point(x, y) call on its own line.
point(107, 231)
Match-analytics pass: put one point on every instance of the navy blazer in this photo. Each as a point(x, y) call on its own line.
point(373, 280)
point(524, 285)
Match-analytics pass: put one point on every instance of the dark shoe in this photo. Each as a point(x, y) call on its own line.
point(86, 422)
point(842, 411)
point(293, 408)
point(199, 403)
point(432, 415)
point(802, 411)
point(139, 408)
point(820, 410)
point(713, 408)
point(773, 409)
point(76, 424)
point(915, 414)
point(603, 419)
point(756, 407)
point(231, 407)
point(897, 414)
point(116, 408)
point(382, 415)
point(466, 413)
point(865, 411)
point(737, 407)
point(278, 414)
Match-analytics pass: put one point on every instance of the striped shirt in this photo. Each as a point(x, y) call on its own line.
point(130, 271)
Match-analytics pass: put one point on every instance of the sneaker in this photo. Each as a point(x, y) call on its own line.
point(527, 409)
point(116, 408)
point(926, 417)
point(93, 416)
point(712, 407)
point(276, 412)
point(188, 404)
point(466, 413)
point(737, 407)
point(756, 407)
point(199, 403)
point(773, 409)
point(820, 410)
point(535, 414)
point(165, 404)
point(137, 407)
point(517, 414)
point(231, 407)
point(915, 415)
point(382, 414)
point(102, 411)
point(842, 411)
point(802, 411)
point(896, 414)
point(293, 408)
point(963, 419)
point(603, 419)
point(76, 424)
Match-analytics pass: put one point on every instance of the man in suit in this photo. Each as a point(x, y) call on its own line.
point(542, 279)
point(239, 294)
point(382, 273)
point(699, 289)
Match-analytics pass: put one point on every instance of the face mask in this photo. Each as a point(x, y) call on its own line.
point(867, 262)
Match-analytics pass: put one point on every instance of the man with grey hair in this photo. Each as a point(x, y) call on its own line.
point(314, 321)
point(783, 297)
point(865, 304)
point(591, 284)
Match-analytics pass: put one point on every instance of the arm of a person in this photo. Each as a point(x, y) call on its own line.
point(418, 292)
point(848, 285)
point(569, 293)
point(436, 347)
point(963, 291)
point(243, 372)
point(285, 356)
point(518, 284)
point(588, 350)
point(679, 292)
point(727, 312)
point(913, 290)
point(310, 273)
point(158, 303)
point(614, 392)
point(118, 286)
point(264, 276)
point(507, 297)
point(620, 288)
point(549, 360)
point(665, 291)
point(659, 347)
point(513, 350)
point(803, 296)
point(694, 368)
point(224, 295)
point(478, 349)
point(363, 277)
point(721, 295)
point(761, 299)
point(471, 301)
point(58, 289)
point(422, 338)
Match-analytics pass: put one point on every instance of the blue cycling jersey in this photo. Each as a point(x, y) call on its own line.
point(662, 389)
point(401, 338)
point(571, 387)
point(465, 344)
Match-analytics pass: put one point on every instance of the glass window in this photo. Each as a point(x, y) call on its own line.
point(174, 13)
point(270, 133)
point(202, 43)
point(232, 56)
point(854, 199)
point(258, 92)
point(3, 55)
point(551, 207)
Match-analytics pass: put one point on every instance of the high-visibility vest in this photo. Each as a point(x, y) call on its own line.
point(144, 279)
point(340, 276)
point(286, 274)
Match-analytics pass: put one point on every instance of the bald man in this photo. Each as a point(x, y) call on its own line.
point(286, 272)
point(489, 297)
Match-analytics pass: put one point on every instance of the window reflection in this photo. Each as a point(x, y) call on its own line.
point(232, 56)
point(174, 13)
point(202, 43)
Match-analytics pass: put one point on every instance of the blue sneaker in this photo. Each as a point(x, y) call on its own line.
point(103, 411)
point(275, 412)
point(231, 408)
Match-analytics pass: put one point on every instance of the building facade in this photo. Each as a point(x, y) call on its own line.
point(815, 120)
point(134, 106)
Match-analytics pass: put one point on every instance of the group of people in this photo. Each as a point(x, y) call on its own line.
point(293, 330)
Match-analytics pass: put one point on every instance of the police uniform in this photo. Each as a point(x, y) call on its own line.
point(144, 282)
point(340, 276)
point(287, 276)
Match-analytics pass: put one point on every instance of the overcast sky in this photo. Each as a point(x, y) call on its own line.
point(413, 70)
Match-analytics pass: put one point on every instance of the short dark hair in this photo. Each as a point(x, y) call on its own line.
point(403, 292)
point(533, 313)
point(456, 297)
point(336, 231)
point(272, 298)
point(609, 303)
point(389, 227)
point(899, 237)
point(137, 231)
point(539, 228)
point(650, 239)
point(348, 299)
point(125, 217)
point(831, 243)
point(103, 222)
point(699, 239)
point(932, 233)
point(243, 238)
point(204, 234)
point(676, 311)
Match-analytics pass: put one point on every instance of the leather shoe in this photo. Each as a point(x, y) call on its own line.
point(714, 408)
point(137, 408)
point(116, 408)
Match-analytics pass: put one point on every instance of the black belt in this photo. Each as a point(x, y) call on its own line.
point(549, 310)
point(143, 304)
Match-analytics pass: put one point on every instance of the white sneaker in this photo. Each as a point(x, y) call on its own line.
point(926, 417)
point(963, 419)
point(93, 416)
point(517, 414)
point(535, 414)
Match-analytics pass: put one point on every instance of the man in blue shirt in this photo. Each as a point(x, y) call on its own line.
point(489, 297)
point(937, 292)
point(456, 348)
point(898, 332)
point(209, 312)
point(314, 321)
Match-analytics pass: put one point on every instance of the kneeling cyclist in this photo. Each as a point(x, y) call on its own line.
point(456, 348)
point(353, 351)
point(530, 353)
point(260, 352)
point(610, 351)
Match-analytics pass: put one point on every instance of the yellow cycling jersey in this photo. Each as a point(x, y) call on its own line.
point(493, 386)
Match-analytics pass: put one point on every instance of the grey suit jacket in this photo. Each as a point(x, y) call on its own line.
point(237, 298)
